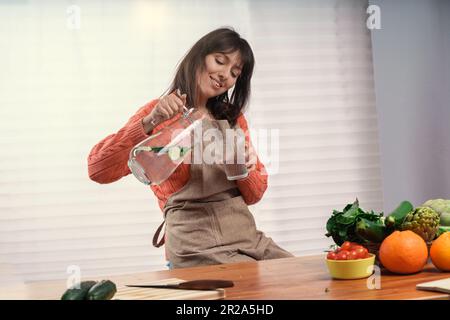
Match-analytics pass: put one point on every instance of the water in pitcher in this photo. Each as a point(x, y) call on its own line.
point(153, 160)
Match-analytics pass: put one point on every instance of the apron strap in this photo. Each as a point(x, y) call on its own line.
point(159, 243)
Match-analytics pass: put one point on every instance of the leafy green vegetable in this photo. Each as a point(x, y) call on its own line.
point(373, 231)
point(341, 226)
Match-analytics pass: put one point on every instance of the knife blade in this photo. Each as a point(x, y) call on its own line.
point(189, 285)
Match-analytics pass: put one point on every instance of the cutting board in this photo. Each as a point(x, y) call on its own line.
point(438, 285)
point(128, 293)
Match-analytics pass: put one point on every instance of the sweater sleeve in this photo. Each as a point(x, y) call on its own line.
point(255, 184)
point(108, 159)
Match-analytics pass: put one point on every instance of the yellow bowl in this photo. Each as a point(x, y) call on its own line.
point(351, 269)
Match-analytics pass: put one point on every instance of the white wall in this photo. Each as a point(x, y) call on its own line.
point(444, 19)
point(411, 55)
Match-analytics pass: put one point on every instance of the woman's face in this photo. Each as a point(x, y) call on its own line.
point(219, 74)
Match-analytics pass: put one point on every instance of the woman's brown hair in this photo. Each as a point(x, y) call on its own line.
point(224, 40)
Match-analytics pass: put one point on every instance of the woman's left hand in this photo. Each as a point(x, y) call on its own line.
point(250, 157)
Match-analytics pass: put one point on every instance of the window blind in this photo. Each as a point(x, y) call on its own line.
point(64, 89)
point(314, 82)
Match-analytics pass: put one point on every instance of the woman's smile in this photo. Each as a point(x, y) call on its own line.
point(216, 83)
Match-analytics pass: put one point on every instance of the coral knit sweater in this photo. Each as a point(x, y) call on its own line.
point(107, 161)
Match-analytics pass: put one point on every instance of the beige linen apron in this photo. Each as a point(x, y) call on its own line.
point(208, 222)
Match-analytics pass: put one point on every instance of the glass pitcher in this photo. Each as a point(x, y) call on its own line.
point(154, 159)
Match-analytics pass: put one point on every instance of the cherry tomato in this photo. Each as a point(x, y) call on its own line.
point(353, 255)
point(331, 255)
point(346, 245)
point(356, 246)
point(365, 253)
point(360, 252)
point(342, 255)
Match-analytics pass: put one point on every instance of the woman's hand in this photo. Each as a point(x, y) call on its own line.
point(250, 157)
point(167, 107)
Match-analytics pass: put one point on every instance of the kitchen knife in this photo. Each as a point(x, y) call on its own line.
point(190, 285)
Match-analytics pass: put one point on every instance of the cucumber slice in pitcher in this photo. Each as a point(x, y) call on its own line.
point(185, 150)
point(174, 153)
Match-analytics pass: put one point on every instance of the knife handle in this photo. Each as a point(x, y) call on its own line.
point(206, 284)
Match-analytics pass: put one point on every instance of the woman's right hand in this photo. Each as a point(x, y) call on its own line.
point(167, 107)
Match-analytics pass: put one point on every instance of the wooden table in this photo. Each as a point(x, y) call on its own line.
point(288, 279)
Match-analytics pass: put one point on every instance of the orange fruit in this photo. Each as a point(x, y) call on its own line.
point(403, 252)
point(440, 252)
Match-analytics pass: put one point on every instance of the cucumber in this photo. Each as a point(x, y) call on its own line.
point(184, 151)
point(78, 294)
point(399, 214)
point(104, 290)
point(372, 231)
point(389, 222)
point(174, 153)
point(441, 230)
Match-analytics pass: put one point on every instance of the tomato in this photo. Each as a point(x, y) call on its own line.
point(346, 245)
point(342, 255)
point(353, 255)
point(357, 246)
point(360, 252)
point(331, 255)
point(365, 254)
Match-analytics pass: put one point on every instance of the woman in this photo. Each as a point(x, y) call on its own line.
point(206, 215)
